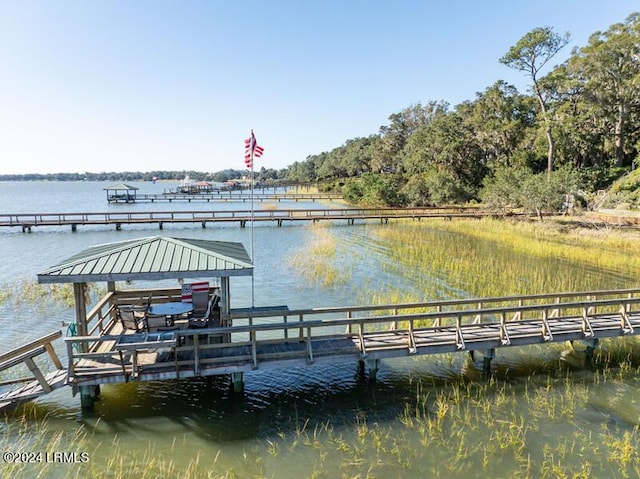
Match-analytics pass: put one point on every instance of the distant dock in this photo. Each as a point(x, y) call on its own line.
point(27, 221)
point(222, 196)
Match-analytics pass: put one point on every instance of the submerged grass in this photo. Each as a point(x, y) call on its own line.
point(526, 428)
point(531, 427)
point(318, 261)
point(27, 292)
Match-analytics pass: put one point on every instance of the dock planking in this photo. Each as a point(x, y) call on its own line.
point(272, 338)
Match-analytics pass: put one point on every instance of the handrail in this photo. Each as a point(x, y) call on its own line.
point(24, 355)
point(584, 310)
point(42, 341)
point(106, 217)
point(434, 304)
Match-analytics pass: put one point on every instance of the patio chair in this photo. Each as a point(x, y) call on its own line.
point(130, 319)
point(198, 295)
point(202, 320)
point(142, 311)
point(155, 322)
point(200, 301)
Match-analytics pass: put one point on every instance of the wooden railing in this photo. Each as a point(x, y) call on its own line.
point(482, 305)
point(28, 220)
point(435, 327)
point(25, 354)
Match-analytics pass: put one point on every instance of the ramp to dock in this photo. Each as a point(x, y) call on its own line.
point(38, 383)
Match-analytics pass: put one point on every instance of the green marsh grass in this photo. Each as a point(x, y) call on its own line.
point(471, 258)
point(29, 293)
point(318, 260)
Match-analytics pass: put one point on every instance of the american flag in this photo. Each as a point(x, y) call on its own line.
point(251, 150)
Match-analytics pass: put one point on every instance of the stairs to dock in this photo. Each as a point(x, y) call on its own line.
point(38, 383)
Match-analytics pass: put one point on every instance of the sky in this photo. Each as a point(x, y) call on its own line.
point(153, 85)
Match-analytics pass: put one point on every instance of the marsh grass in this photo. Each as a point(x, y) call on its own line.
point(318, 261)
point(39, 297)
point(524, 428)
point(529, 427)
point(270, 206)
point(493, 258)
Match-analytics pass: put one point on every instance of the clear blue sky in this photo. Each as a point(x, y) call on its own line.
point(91, 85)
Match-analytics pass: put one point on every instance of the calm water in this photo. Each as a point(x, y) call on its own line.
point(270, 432)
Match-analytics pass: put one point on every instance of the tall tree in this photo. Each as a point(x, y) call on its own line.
point(609, 66)
point(500, 117)
point(447, 145)
point(529, 55)
point(393, 137)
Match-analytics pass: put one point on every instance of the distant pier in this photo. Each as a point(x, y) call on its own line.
point(223, 196)
point(27, 221)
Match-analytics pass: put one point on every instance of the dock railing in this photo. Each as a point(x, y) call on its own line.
point(28, 220)
point(25, 354)
point(429, 327)
point(481, 305)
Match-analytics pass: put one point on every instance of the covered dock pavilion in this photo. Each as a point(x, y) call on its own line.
point(145, 259)
point(121, 193)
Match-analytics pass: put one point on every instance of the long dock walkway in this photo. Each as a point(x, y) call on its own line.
point(277, 337)
point(243, 196)
point(282, 338)
point(27, 221)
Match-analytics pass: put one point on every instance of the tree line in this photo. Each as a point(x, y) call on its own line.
point(576, 130)
point(264, 175)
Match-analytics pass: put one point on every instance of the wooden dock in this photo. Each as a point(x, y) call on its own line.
point(242, 196)
point(37, 383)
point(277, 337)
point(282, 338)
point(27, 221)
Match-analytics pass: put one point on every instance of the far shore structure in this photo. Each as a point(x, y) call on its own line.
point(121, 193)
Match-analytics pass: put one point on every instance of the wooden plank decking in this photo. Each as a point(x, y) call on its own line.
point(267, 338)
point(34, 389)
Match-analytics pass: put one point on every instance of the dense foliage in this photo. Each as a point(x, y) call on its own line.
point(263, 175)
point(577, 130)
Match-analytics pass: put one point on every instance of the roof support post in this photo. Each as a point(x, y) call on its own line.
point(79, 291)
point(225, 300)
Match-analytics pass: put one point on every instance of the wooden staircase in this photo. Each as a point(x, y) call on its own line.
point(38, 383)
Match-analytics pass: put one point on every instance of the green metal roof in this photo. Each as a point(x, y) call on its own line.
point(152, 258)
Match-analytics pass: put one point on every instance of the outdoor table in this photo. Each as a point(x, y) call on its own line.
point(171, 311)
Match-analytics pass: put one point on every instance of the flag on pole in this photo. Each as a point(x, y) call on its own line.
point(251, 150)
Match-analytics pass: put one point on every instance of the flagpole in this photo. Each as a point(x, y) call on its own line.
point(251, 148)
point(252, 250)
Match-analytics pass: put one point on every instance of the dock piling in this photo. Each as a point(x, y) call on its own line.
point(369, 367)
point(88, 396)
point(238, 382)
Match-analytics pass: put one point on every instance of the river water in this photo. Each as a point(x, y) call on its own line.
point(310, 422)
